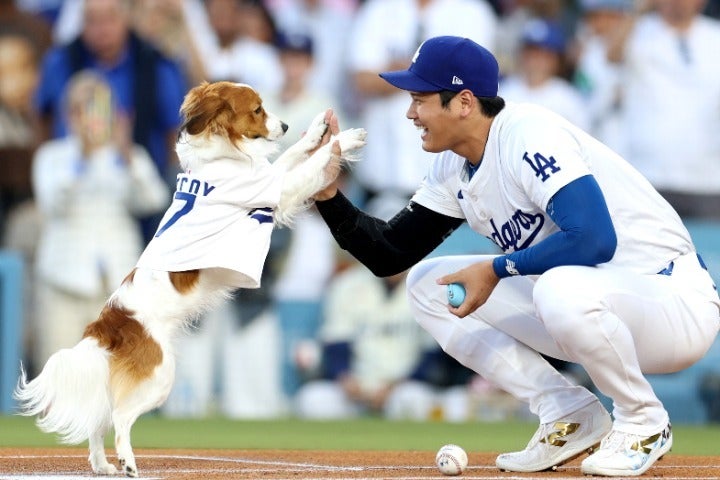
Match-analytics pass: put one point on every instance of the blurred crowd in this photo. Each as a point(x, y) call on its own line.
point(90, 92)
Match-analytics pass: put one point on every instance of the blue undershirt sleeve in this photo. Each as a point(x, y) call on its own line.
point(586, 236)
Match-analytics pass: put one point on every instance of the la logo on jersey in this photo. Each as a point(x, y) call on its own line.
point(519, 231)
point(542, 166)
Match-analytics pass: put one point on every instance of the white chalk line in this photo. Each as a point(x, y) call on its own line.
point(296, 467)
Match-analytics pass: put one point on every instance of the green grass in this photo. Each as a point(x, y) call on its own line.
point(365, 434)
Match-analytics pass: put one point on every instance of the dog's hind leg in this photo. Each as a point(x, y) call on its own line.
point(123, 421)
point(148, 395)
point(98, 460)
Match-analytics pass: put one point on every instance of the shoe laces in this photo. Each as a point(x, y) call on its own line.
point(617, 441)
point(623, 442)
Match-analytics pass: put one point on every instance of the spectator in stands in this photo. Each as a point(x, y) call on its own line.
point(18, 80)
point(19, 59)
point(371, 346)
point(13, 19)
point(174, 27)
point(88, 185)
point(327, 22)
point(595, 76)
point(310, 256)
point(670, 113)
point(238, 49)
point(540, 77)
point(386, 34)
point(149, 88)
point(168, 25)
point(514, 14)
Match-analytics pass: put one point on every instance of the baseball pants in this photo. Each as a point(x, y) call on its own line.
point(617, 324)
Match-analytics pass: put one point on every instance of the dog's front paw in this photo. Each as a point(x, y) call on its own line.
point(351, 139)
point(128, 467)
point(314, 133)
point(106, 469)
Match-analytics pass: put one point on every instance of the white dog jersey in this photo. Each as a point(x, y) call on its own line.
point(221, 217)
point(507, 198)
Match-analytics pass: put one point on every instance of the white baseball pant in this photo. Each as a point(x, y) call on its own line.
point(615, 323)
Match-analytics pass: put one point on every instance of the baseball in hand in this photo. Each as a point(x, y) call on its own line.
point(451, 460)
point(455, 294)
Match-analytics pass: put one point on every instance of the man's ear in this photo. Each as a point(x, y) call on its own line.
point(468, 102)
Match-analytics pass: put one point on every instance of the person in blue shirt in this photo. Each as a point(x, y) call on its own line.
point(149, 87)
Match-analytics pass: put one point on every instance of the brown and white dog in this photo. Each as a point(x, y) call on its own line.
point(124, 365)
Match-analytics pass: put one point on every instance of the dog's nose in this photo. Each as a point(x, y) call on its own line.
point(284, 126)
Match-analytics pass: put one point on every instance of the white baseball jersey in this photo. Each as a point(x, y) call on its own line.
point(618, 321)
point(220, 217)
point(525, 163)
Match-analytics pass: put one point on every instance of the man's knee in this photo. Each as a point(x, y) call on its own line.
point(562, 300)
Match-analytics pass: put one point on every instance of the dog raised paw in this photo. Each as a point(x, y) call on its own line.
point(351, 139)
point(314, 133)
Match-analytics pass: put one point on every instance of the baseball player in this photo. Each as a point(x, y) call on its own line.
point(597, 268)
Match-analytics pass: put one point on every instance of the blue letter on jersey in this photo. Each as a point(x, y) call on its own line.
point(540, 164)
point(518, 232)
point(187, 191)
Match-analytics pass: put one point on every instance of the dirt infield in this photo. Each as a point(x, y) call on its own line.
point(67, 464)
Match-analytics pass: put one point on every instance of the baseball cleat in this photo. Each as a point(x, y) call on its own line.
point(556, 443)
point(627, 455)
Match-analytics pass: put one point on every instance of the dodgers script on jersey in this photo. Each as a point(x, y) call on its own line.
point(507, 198)
point(221, 216)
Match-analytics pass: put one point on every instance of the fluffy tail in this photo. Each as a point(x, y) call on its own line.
point(71, 396)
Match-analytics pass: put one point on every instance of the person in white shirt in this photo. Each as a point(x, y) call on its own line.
point(232, 53)
point(671, 103)
point(327, 23)
point(370, 345)
point(596, 77)
point(540, 77)
point(89, 187)
point(597, 268)
point(309, 259)
point(384, 36)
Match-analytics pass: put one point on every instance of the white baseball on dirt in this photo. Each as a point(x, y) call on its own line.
point(451, 460)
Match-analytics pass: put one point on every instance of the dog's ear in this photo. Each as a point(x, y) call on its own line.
point(201, 106)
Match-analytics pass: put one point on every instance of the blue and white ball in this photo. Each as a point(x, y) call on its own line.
point(455, 294)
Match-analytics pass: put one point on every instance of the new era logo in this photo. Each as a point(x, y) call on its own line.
point(457, 81)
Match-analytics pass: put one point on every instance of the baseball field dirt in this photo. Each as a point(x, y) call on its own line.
point(71, 463)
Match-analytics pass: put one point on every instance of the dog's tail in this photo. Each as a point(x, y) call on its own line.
point(71, 396)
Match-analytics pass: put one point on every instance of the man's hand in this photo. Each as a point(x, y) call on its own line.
point(479, 280)
point(333, 168)
point(333, 128)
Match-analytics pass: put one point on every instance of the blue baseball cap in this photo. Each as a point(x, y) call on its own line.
point(449, 63)
point(544, 34)
point(294, 42)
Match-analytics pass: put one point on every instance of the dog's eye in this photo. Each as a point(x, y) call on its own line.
point(258, 110)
